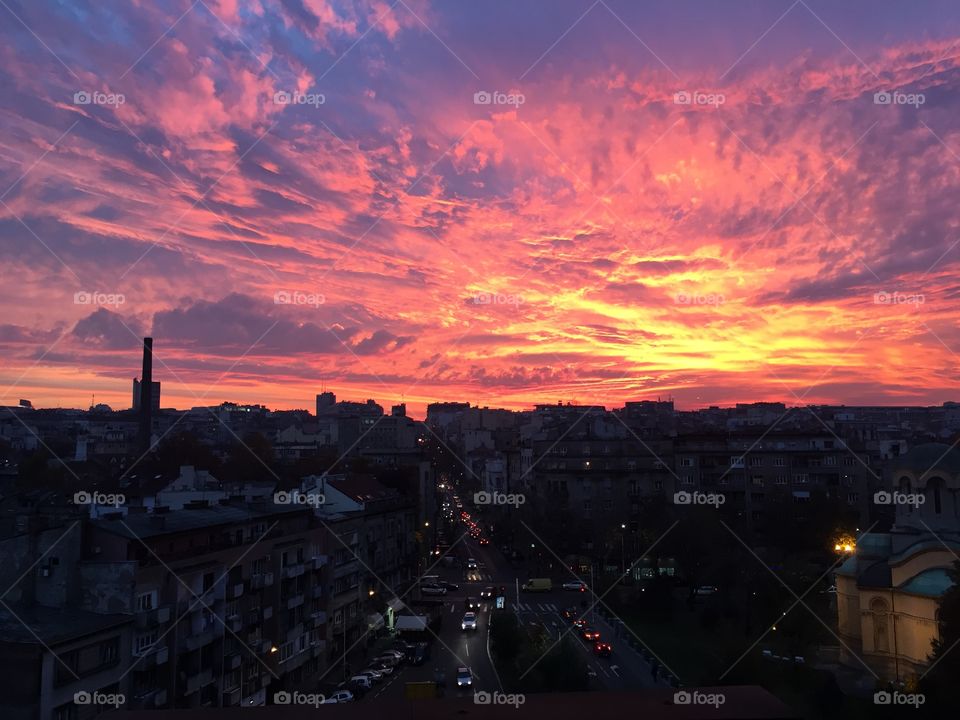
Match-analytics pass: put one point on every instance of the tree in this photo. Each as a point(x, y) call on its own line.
point(941, 680)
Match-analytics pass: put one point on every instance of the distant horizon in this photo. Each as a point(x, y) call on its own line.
point(386, 405)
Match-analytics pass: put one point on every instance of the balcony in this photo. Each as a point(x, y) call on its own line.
point(206, 636)
point(293, 571)
point(152, 618)
point(316, 591)
point(156, 655)
point(199, 680)
point(259, 581)
point(295, 601)
point(235, 623)
point(234, 591)
point(318, 618)
point(232, 662)
point(154, 698)
point(318, 561)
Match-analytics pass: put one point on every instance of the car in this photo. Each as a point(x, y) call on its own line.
point(464, 677)
point(588, 633)
point(705, 590)
point(473, 603)
point(487, 592)
point(341, 696)
point(400, 655)
point(421, 654)
point(484, 541)
point(381, 667)
point(472, 564)
point(469, 621)
point(602, 649)
point(433, 590)
point(362, 682)
point(570, 614)
point(577, 585)
point(452, 587)
point(374, 672)
point(580, 623)
point(387, 658)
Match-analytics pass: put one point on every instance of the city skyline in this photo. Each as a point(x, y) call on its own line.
point(600, 204)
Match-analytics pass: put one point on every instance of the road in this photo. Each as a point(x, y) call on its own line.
point(624, 669)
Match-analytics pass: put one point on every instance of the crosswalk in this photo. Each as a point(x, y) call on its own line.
point(535, 607)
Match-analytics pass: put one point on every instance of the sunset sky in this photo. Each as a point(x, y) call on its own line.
point(713, 201)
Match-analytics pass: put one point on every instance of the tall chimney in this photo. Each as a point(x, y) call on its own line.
point(146, 395)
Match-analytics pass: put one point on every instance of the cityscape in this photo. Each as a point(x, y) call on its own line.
point(412, 358)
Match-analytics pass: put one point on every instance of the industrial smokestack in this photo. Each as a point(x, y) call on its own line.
point(146, 395)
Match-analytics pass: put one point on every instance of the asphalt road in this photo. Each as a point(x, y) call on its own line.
point(624, 669)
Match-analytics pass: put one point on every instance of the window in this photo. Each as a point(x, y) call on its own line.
point(686, 462)
point(779, 462)
point(67, 711)
point(756, 460)
point(781, 480)
point(801, 478)
point(736, 461)
point(686, 480)
point(110, 651)
point(143, 643)
point(146, 601)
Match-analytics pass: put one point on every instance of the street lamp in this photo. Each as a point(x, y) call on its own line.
point(623, 562)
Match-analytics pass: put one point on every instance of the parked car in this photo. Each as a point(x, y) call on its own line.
point(469, 621)
point(398, 655)
point(452, 587)
point(341, 696)
point(364, 682)
point(433, 590)
point(375, 675)
point(705, 590)
point(577, 585)
point(464, 677)
point(382, 667)
point(421, 654)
